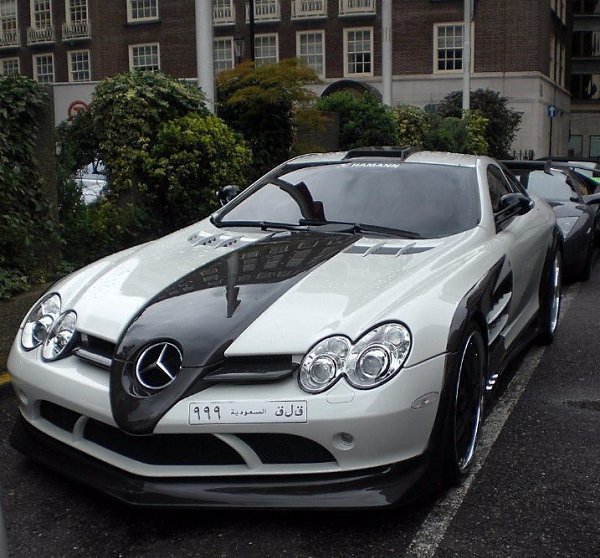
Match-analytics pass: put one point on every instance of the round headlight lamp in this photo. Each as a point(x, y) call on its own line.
point(375, 358)
point(320, 367)
point(39, 321)
point(378, 355)
point(59, 339)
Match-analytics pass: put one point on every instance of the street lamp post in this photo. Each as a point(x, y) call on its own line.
point(238, 43)
point(251, 21)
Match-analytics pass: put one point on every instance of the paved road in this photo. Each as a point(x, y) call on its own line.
point(537, 493)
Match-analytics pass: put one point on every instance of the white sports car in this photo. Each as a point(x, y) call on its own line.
point(324, 340)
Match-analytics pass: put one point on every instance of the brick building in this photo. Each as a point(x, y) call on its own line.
point(585, 79)
point(519, 48)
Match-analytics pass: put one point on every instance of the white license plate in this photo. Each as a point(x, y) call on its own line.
point(252, 412)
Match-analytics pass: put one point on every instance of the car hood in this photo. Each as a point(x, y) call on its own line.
point(567, 208)
point(221, 292)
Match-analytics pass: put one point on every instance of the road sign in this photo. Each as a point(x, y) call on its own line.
point(552, 111)
point(75, 108)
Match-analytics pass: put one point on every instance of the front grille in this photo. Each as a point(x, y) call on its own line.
point(95, 350)
point(163, 449)
point(59, 416)
point(286, 448)
point(189, 449)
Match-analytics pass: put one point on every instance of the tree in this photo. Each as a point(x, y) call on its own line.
point(260, 102)
point(165, 156)
point(503, 122)
point(364, 120)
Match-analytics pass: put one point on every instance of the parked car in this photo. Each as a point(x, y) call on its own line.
point(576, 209)
point(324, 340)
point(92, 181)
point(589, 167)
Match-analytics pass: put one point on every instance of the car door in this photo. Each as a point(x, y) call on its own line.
point(524, 240)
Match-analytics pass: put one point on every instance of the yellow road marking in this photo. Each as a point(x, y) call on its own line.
point(4, 379)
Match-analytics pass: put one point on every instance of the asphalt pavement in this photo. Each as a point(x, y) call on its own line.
point(536, 493)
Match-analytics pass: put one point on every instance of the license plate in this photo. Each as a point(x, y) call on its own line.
point(254, 412)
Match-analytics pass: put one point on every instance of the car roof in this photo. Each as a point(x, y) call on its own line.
point(389, 154)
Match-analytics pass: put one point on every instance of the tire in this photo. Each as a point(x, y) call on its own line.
point(550, 299)
point(586, 272)
point(465, 408)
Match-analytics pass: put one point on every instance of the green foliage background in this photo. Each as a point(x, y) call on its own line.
point(363, 119)
point(26, 225)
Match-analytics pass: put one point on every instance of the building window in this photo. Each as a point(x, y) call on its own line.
point(145, 58)
point(43, 68)
point(310, 48)
point(223, 53)
point(77, 10)
point(576, 146)
point(41, 14)
point(358, 51)
point(448, 50)
point(594, 146)
point(266, 49)
point(8, 16)
point(142, 10)
point(79, 65)
point(585, 87)
point(9, 66)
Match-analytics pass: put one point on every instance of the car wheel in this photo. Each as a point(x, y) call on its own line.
point(550, 293)
point(463, 423)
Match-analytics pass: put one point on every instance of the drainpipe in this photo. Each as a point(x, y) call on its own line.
point(204, 51)
point(386, 50)
point(466, 104)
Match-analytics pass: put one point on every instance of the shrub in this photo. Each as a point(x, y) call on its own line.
point(503, 122)
point(260, 103)
point(364, 120)
point(413, 125)
point(165, 156)
point(26, 223)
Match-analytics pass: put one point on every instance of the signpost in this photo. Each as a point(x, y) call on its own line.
point(552, 112)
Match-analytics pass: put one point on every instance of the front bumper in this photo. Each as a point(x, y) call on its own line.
point(371, 488)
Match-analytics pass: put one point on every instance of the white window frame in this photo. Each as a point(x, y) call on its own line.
point(35, 74)
point(436, 26)
point(11, 59)
point(233, 60)
point(70, 65)
point(323, 39)
point(258, 59)
point(68, 12)
point(347, 72)
point(138, 45)
point(131, 19)
point(32, 15)
point(16, 5)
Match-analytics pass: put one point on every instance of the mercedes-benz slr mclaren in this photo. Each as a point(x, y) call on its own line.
point(326, 339)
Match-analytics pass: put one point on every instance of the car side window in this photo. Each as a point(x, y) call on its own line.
point(498, 186)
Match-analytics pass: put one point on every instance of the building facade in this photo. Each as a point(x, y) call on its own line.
point(520, 51)
point(585, 79)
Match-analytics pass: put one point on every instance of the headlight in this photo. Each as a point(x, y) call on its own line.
point(566, 224)
point(375, 358)
point(39, 321)
point(60, 336)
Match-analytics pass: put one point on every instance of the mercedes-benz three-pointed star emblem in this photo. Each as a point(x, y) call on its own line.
point(158, 365)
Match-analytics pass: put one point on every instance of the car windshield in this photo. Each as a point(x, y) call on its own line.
point(411, 199)
point(553, 186)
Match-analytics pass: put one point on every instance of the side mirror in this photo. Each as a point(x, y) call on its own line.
point(515, 204)
point(592, 199)
point(227, 193)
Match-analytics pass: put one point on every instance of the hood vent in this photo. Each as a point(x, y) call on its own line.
point(383, 250)
point(214, 240)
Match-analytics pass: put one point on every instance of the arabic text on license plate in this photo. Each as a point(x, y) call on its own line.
point(238, 412)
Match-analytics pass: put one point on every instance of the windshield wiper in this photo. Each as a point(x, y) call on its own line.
point(263, 225)
point(363, 227)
